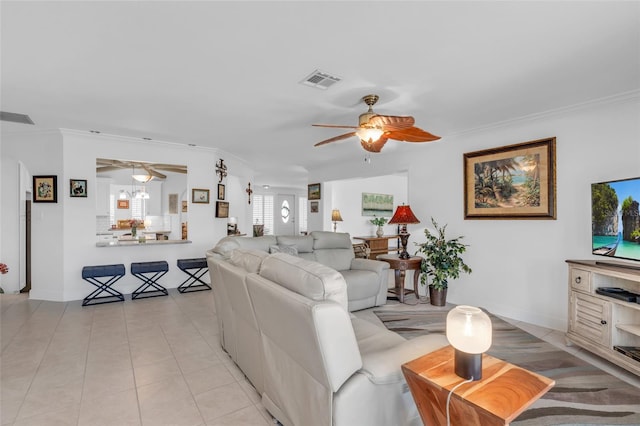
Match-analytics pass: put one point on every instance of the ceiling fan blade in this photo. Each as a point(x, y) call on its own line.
point(391, 122)
point(336, 138)
point(335, 126)
point(412, 134)
point(170, 168)
point(374, 146)
point(102, 169)
point(153, 173)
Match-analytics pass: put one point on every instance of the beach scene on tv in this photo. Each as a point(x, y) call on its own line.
point(616, 218)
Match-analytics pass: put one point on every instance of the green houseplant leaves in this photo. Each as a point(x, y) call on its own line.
point(442, 257)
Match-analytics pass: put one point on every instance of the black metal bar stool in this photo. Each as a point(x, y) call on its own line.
point(191, 283)
point(103, 277)
point(149, 273)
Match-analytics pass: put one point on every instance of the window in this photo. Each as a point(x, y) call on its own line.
point(285, 212)
point(263, 212)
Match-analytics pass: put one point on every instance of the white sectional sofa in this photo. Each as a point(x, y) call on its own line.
point(366, 279)
point(285, 322)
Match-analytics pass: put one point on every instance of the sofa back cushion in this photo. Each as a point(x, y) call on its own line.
point(307, 278)
point(227, 244)
point(247, 259)
point(303, 244)
point(333, 249)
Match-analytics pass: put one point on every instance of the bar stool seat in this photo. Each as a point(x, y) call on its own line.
point(191, 285)
point(103, 277)
point(149, 273)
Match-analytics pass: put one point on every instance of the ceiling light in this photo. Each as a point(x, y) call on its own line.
point(142, 195)
point(369, 134)
point(265, 186)
point(142, 178)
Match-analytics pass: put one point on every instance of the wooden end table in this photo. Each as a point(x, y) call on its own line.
point(400, 267)
point(504, 392)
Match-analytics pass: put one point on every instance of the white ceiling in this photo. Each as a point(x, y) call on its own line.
point(226, 74)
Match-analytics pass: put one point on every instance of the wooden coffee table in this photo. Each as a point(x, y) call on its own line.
point(504, 392)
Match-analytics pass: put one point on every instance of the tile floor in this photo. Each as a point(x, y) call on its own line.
point(145, 362)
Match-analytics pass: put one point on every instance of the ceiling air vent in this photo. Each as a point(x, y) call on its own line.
point(15, 117)
point(320, 80)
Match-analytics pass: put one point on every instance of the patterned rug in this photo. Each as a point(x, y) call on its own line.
point(583, 394)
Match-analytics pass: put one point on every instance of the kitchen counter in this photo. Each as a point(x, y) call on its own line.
point(129, 243)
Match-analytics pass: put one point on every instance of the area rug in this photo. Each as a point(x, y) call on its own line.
point(583, 394)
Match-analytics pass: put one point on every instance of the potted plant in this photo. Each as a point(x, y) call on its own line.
point(442, 261)
point(379, 222)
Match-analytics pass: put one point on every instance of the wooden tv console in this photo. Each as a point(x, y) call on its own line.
point(604, 325)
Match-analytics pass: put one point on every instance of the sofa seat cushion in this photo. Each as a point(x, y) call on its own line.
point(384, 351)
point(307, 278)
point(249, 260)
point(359, 283)
point(372, 338)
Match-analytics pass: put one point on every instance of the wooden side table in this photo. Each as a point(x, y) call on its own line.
point(504, 392)
point(400, 267)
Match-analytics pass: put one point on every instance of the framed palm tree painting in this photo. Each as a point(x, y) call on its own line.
point(511, 182)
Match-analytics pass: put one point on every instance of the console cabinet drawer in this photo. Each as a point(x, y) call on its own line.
point(580, 280)
point(591, 318)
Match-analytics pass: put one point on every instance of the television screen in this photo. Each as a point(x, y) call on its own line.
point(615, 220)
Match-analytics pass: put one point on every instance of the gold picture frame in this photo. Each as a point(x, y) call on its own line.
point(200, 196)
point(313, 191)
point(511, 182)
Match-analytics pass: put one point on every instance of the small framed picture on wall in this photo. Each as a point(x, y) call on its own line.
point(78, 188)
point(200, 196)
point(221, 191)
point(45, 189)
point(222, 209)
point(314, 207)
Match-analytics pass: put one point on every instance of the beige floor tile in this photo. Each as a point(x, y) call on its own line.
point(210, 378)
point(191, 363)
point(163, 392)
point(51, 418)
point(182, 412)
point(249, 416)
point(104, 382)
point(47, 399)
point(221, 401)
point(116, 409)
point(156, 372)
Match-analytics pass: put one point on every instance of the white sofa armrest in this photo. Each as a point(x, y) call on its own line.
point(384, 366)
point(376, 266)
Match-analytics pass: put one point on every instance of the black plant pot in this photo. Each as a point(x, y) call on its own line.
point(437, 297)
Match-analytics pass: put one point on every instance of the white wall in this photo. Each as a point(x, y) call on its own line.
point(518, 265)
point(63, 238)
point(346, 196)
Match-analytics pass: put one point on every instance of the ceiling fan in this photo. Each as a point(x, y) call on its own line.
point(151, 170)
point(374, 130)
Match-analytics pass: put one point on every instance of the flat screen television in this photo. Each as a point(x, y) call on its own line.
point(615, 219)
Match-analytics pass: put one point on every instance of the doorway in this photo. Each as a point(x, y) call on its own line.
point(27, 247)
point(285, 213)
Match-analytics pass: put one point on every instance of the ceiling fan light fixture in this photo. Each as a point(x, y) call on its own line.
point(369, 135)
point(142, 178)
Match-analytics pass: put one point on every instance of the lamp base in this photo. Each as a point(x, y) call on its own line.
point(468, 366)
point(404, 239)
